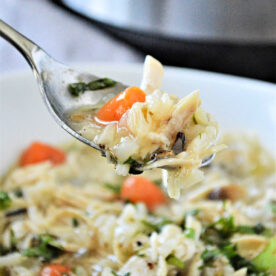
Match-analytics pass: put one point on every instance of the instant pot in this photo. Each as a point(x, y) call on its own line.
point(229, 36)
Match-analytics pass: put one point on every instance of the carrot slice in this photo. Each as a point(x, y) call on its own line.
point(55, 270)
point(114, 109)
point(39, 152)
point(140, 189)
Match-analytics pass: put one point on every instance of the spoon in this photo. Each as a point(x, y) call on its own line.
point(53, 79)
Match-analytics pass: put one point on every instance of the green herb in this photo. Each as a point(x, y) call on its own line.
point(272, 205)
point(190, 233)
point(267, 258)
point(75, 222)
point(141, 255)
point(238, 262)
point(77, 88)
point(80, 87)
point(156, 225)
point(209, 256)
point(47, 248)
point(18, 193)
point(114, 188)
point(101, 84)
point(134, 166)
point(194, 119)
point(173, 260)
point(225, 228)
point(158, 182)
point(5, 200)
point(116, 274)
point(257, 229)
point(131, 161)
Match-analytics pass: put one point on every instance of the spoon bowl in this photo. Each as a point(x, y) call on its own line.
point(53, 79)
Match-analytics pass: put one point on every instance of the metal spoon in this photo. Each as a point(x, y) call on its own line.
point(53, 79)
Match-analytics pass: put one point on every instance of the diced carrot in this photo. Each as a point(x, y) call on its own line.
point(39, 152)
point(140, 189)
point(114, 109)
point(54, 270)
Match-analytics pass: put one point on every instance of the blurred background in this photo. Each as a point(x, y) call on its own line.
point(236, 37)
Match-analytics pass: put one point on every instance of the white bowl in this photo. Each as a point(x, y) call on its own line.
point(238, 104)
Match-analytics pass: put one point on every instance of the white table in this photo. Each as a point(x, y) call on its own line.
point(64, 36)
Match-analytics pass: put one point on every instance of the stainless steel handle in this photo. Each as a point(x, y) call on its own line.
point(25, 46)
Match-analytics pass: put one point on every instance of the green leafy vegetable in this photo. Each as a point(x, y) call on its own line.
point(209, 256)
point(78, 88)
point(256, 229)
point(134, 166)
point(47, 248)
point(75, 222)
point(5, 200)
point(141, 255)
point(156, 224)
point(101, 84)
point(224, 228)
point(114, 188)
point(190, 233)
point(238, 262)
point(116, 274)
point(158, 182)
point(173, 260)
point(267, 258)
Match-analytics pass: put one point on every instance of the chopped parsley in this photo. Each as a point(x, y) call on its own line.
point(5, 200)
point(134, 166)
point(78, 88)
point(114, 188)
point(190, 233)
point(141, 255)
point(158, 182)
point(258, 229)
point(224, 228)
point(238, 262)
point(46, 248)
point(116, 274)
point(173, 260)
point(156, 224)
point(219, 234)
point(75, 222)
point(209, 256)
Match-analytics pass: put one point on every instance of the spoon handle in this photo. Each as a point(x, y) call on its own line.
point(25, 46)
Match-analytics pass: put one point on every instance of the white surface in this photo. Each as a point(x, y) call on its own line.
point(64, 36)
point(236, 102)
